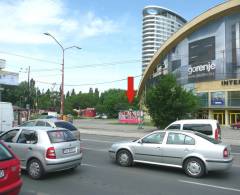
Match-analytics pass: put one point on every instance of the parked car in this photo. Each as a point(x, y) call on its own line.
point(101, 116)
point(194, 152)
point(44, 149)
point(208, 127)
point(10, 171)
point(55, 123)
point(235, 125)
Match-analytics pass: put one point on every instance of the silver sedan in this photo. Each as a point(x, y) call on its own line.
point(44, 149)
point(194, 152)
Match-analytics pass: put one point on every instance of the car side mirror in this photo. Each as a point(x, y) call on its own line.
point(140, 141)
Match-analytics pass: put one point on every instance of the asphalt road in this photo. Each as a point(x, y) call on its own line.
point(99, 175)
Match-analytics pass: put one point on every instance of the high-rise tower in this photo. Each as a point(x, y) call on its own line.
point(158, 25)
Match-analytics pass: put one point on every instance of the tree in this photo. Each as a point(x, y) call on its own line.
point(167, 101)
point(73, 92)
point(114, 100)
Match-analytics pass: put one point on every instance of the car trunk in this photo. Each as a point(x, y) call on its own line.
point(66, 149)
point(64, 144)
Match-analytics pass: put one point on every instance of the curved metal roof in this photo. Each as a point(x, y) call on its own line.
point(214, 13)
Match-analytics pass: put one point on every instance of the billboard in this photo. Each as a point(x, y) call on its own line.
point(201, 60)
point(8, 78)
point(218, 98)
point(130, 116)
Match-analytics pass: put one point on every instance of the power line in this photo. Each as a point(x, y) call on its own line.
point(92, 65)
point(29, 57)
point(88, 84)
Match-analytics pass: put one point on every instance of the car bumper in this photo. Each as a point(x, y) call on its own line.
point(214, 165)
point(63, 164)
point(12, 189)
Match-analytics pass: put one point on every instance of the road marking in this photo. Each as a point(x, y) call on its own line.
point(236, 165)
point(94, 140)
point(88, 165)
point(212, 186)
point(94, 149)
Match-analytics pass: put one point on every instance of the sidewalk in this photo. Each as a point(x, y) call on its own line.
point(107, 127)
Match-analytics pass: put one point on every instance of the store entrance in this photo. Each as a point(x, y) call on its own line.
point(220, 117)
point(234, 117)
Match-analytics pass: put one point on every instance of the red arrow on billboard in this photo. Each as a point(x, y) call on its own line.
point(130, 91)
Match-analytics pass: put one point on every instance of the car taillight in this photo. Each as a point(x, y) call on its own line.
point(51, 153)
point(225, 153)
point(217, 134)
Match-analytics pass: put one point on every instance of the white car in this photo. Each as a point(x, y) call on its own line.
point(208, 127)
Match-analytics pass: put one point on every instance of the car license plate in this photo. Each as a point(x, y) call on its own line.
point(69, 150)
point(1, 173)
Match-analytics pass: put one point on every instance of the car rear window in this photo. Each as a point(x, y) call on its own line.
point(202, 128)
point(208, 138)
point(4, 153)
point(65, 125)
point(59, 136)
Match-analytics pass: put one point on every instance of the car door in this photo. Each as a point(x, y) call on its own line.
point(10, 137)
point(178, 145)
point(149, 149)
point(25, 145)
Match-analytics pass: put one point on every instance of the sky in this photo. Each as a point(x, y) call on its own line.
point(108, 31)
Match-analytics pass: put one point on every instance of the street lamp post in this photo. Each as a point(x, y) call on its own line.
point(62, 84)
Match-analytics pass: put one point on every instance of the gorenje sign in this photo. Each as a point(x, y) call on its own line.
point(201, 68)
point(201, 72)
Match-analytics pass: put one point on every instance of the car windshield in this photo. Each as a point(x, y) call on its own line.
point(61, 136)
point(207, 138)
point(65, 125)
point(4, 153)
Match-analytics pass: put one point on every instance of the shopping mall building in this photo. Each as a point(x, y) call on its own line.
point(205, 57)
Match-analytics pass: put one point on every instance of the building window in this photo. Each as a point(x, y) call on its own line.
point(234, 51)
point(218, 98)
point(203, 99)
point(234, 98)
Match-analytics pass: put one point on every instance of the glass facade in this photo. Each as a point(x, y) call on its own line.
point(203, 98)
point(234, 98)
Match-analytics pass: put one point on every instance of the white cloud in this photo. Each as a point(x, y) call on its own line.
point(94, 25)
point(24, 21)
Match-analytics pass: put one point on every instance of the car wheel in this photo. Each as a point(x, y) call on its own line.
point(194, 167)
point(35, 169)
point(124, 158)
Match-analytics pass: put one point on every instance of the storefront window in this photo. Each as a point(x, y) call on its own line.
point(234, 98)
point(218, 98)
point(203, 98)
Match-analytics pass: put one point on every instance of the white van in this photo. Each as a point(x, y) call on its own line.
point(6, 116)
point(208, 127)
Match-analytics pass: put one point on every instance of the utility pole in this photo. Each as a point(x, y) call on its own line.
point(62, 84)
point(28, 104)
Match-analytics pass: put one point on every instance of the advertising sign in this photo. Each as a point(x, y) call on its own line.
point(218, 98)
point(202, 60)
point(129, 116)
point(8, 78)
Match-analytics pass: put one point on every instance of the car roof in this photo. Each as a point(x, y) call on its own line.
point(40, 128)
point(196, 121)
point(48, 120)
point(177, 131)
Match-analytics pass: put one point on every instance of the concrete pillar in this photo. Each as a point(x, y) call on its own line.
point(210, 114)
point(226, 117)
